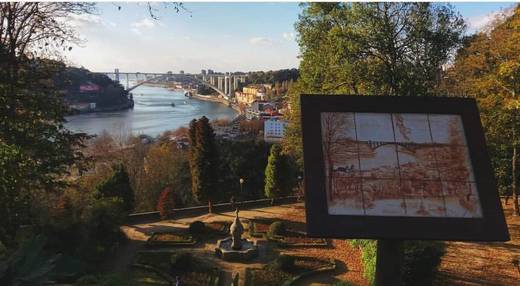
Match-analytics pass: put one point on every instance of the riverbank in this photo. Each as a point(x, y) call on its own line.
point(219, 100)
point(124, 106)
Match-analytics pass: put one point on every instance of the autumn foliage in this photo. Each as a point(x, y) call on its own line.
point(166, 202)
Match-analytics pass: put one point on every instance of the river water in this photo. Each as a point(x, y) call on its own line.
point(152, 114)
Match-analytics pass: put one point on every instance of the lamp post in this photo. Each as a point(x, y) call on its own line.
point(241, 186)
point(300, 191)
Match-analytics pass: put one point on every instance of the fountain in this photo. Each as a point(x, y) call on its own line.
point(236, 248)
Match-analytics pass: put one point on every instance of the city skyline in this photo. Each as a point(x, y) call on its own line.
point(219, 36)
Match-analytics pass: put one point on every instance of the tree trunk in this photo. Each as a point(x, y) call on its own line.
point(516, 211)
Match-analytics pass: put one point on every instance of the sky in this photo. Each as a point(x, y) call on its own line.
point(218, 36)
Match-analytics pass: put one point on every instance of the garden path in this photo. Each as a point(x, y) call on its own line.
point(468, 264)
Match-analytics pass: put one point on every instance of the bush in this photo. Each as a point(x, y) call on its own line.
point(368, 256)
point(197, 228)
point(118, 185)
point(182, 261)
point(420, 262)
point(104, 218)
point(284, 263)
point(87, 280)
point(166, 203)
point(276, 228)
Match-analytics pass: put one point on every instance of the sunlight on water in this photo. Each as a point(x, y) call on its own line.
point(152, 113)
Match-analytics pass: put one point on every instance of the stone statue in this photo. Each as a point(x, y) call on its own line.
point(236, 231)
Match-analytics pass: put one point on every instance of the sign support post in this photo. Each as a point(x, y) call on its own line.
point(389, 261)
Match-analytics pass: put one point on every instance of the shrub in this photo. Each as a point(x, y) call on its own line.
point(276, 228)
point(284, 263)
point(420, 262)
point(197, 228)
point(87, 280)
point(166, 203)
point(105, 216)
point(182, 261)
point(118, 185)
point(368, 256)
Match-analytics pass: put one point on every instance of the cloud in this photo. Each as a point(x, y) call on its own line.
point(136, 31)
point(260, 41)
point(482, 22)
point(84, 20)
point(288, 36)
point(144, 23)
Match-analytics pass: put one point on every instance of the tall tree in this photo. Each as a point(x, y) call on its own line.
point(376, 48)
point(373, 49)
point(279, 178)
point(203, 160)
point(118, 185)
point(487, 67)
point(31, 110)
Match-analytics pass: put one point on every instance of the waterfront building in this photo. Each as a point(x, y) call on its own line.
point(274, 130)
point(262, 110)
point(251, 93)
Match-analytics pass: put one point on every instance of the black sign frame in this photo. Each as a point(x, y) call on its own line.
point(492, 225)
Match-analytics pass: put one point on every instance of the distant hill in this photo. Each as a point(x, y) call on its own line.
point(82, 86)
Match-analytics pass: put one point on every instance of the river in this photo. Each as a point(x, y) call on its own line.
point(152, 114)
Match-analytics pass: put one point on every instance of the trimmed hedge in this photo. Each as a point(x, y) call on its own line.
point(277, 228)
point(197, 228)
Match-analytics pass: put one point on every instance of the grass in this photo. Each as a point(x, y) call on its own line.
point(368, 257)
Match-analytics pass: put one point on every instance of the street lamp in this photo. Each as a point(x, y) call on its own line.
point(300, 189)
point(241, 183)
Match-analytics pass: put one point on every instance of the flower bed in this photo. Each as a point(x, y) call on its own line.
point(171, 239)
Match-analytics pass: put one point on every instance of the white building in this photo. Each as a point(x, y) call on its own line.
point(274, 130)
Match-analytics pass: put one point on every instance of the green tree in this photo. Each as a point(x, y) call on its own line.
point(373, 49)
point(246, 160)
point(487, 68)
point(14, 196)
point(32, 132)
point(118, 185)
point(203, 160)
point(279, 178)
